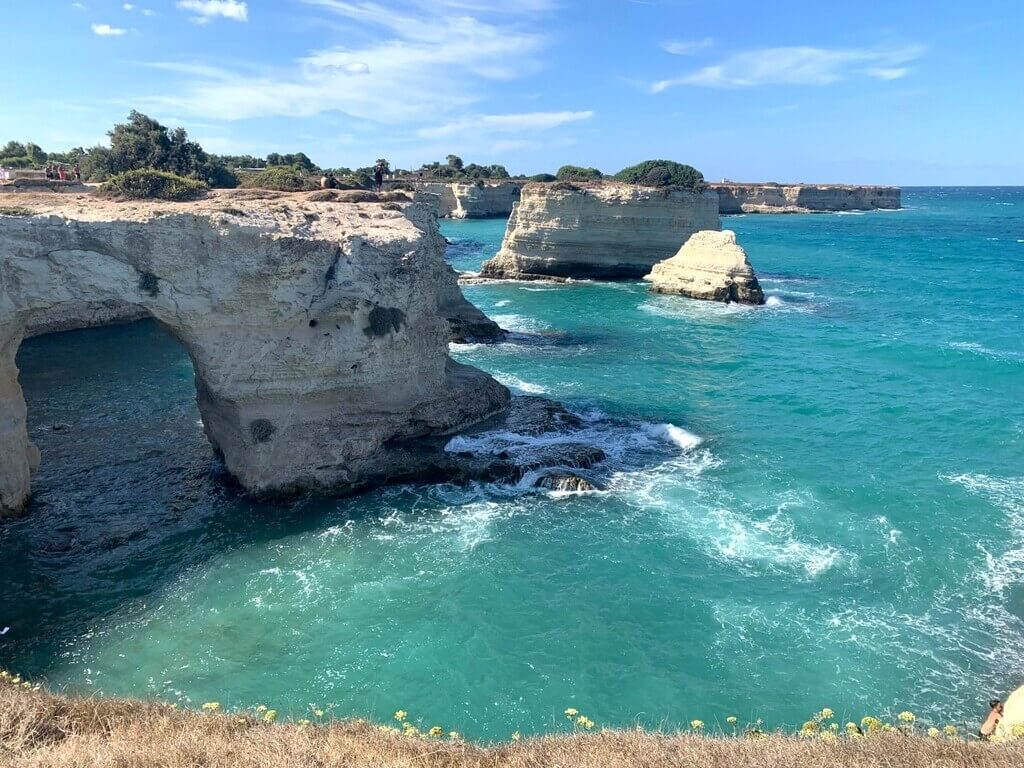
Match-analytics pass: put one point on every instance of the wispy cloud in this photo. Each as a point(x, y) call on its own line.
point(420, 64)
point(78, 6)
point(687, 47)
point(514, 123)
point(799, 65)
point(210, 9)
point(105, 30)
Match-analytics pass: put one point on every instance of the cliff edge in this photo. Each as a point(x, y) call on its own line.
point(736, 197)
point(313, 327)
point(602, 231)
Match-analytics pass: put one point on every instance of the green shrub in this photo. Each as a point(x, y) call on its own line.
point(14, 210)
point(662, 173)
point(578, 173)
point(147, 184)
point(543, 177)
point(281, 178)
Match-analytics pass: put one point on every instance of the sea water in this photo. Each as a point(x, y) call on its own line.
point(818, 502)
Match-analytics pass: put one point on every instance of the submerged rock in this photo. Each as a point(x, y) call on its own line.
point(602, 231)
point(710, 265)
point(565, 481)
point(313, 327)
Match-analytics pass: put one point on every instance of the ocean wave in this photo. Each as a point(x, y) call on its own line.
point(521, 323)
point(981, 349)
point(503, 303)
point(519, 385)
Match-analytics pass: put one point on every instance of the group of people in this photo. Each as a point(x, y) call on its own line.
point(58, 172)
point(330, 181)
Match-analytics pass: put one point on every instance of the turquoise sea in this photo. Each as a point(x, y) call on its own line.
point(819, 502)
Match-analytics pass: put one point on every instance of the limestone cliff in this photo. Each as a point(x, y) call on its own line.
point(803, 198)
point(604, 231)
point(313, 328)
point(459, 200)
point(710, 265)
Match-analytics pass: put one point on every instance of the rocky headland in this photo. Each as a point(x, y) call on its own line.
point(803, 198)
point(710, 265)
point(602, 231)
point(468, 200)
point(316, 329)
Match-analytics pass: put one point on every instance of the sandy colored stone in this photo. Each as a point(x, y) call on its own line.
point(602, 231)
point(313, 328)
point(460, 200)
point(804, 198)
point(710, 265)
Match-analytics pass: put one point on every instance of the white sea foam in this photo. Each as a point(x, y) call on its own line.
point(521, 323)
point(981, 349)
point(518, 385)
point(503, 303)
point(670, 432)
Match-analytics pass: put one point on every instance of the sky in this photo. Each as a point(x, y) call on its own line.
point(915, 92)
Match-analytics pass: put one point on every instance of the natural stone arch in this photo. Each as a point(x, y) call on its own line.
point(314, 332)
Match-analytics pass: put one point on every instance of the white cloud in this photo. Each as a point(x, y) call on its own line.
point(419, 65)
point(78, 6)
point(516, 123)
point(105, 30)
point(798, 65)
point(687, 47)
point(209, 9)
point(128, 7)
point(148, 12)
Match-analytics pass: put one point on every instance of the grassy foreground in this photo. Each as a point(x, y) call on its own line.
point(38, 728)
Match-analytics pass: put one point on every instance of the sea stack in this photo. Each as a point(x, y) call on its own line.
point(605, 231)
point(710, 265)
point(315, 328)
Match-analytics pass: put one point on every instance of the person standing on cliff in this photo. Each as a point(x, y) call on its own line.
point(378, 176)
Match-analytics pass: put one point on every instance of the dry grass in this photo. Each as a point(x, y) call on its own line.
point(42, 729)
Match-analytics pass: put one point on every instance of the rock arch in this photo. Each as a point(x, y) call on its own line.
point(313, 330)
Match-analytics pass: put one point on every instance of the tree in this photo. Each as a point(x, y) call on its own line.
point(578, 173)
point(140, 143)
point(662, 173)
point(454, 162)
point(13, 149)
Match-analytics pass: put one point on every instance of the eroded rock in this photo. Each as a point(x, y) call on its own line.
point(602, 231)
point(710, 265)
point(313, 327)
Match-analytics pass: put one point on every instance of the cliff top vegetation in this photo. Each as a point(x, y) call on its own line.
point(662, 173)
point(38, 728)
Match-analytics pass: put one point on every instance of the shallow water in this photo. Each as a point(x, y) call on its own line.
point(848, 531)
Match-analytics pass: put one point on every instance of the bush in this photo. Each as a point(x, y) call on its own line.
point(543, 177)
point(147, 184)
point(281, 179)
point(578, 173)
point(662, 173)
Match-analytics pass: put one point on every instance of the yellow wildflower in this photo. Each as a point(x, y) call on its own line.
point(437, 730)
point(211, 706)
point(586, 722)
point(871, 724)
point(851, 727)
point(571, 713)
point(270, 716)
point(261, 708)
point(516, 736)
point(400, 715)
point(696, 724)
point(933, 732)
point(826, 714)
point(1017, 731)
point(318, 712)
point(731, 720)
point(950, 730)
point(241, 720)
point(453, 735)
point(16, 679)
point(303, 723)
point(907, 717)
point(26, 685)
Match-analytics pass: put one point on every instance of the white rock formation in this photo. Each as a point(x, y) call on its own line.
point(603, 231)
point(710, 265)
point(803, 198)
point(313, 328)
point(460, 200)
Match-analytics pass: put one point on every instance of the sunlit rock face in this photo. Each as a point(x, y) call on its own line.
point(711, 266)
point(314, 329)
point(804, 198)
point(459, 200)
point(601, 231)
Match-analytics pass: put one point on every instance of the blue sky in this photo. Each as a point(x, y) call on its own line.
point(908, 92)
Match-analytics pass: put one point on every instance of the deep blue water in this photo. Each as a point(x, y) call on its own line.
point(849, 531)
